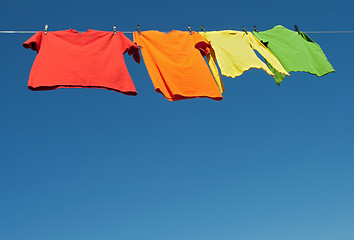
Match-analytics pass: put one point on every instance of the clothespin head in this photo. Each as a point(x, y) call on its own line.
point(45, 29)
point(255, 28)
point(202, 28)
point(297, 29)
point(115, 29)
point(244, 29)
point(189, 29)
point(138, 28)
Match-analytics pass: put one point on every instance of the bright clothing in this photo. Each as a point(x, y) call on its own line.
point(296, 52)
point(235, 54)
point(176, 66)
point(92, 59)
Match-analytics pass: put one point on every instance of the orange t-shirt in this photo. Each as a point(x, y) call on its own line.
point(176, 65)
point(92, 59)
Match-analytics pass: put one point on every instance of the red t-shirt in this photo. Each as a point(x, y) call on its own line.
point(92, 59)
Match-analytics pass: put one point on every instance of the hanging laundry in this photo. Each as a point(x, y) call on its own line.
point(297, 52)
point(92, 59)
point(176, 66)
point(234, 51)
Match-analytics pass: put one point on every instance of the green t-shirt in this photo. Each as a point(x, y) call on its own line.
point(296, 52)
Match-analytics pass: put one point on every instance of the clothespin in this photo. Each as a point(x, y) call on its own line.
point(255, 28)
point(115, 29)
point(297, 29)
point(189, 29)
point(138, 28)
point(46, 29)
point(244, 29)
point(202, 28)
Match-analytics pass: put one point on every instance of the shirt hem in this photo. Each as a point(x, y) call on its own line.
point(45, 88)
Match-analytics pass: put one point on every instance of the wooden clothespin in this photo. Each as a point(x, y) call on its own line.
point(255, 28)
point(45, 29)
point(189, 29)
point(138, 29)
point(202, 28)
point(115, 29)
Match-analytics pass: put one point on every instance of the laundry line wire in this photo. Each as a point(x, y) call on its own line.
point(26, 32)
point(328, 31)
point(8, 31)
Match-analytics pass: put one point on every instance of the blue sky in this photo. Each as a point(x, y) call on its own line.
point(266, 162)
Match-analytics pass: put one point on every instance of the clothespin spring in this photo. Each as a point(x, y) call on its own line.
point(297, 29)
point(244, 29)
point(45, 29)
point(189, 29)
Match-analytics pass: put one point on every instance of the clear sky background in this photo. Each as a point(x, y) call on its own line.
point(265, 163)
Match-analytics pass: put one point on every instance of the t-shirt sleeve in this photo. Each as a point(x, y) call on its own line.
point(34, 42)
point(130, 47)
point(201, 44)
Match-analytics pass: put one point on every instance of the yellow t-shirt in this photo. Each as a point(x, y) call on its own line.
point(234, 51)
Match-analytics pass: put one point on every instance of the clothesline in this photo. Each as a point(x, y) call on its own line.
point(27, 32)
